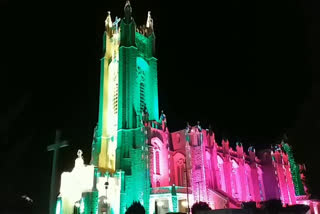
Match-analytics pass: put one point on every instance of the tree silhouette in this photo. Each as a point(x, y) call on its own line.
point(273, 205)
point(199, 206)
point(249, 205)
point(136, 208)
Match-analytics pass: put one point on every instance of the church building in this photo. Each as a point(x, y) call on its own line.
point(135, 157)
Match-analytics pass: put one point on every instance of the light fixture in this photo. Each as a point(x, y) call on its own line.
point(184, 203)
point(159, 203)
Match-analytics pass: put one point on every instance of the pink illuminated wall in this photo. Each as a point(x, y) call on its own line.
point(218, 174)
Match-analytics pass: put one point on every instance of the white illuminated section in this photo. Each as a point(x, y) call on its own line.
point(82, 206)
point(58, 208)
point(111, 195)
point(77, 204)
point(315, 207)
point(74, 183)
point(112, 119)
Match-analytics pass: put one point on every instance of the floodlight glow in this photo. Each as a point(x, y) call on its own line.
point(160, 203)
point(82, 206)
point(58, 208)
point(184, 203)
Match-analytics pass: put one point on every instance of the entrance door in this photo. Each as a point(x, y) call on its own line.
point(183, 206)
point(162, 206)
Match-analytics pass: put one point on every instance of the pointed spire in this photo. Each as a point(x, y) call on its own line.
point(108, 22)
point(127, 12)
point(149, 21)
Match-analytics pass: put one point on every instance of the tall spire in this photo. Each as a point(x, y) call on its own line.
point(127, 12)
point(108, 21)
point(149, 21)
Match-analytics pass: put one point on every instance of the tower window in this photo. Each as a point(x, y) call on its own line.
point(142, 100)
point(157, 165)
point(180, 170)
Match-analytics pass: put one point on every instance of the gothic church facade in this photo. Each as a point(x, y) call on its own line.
point(136, 158)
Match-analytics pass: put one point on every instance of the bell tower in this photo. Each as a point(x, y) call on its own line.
point(128, 92)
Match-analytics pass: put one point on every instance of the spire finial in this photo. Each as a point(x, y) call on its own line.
point(108, 21)
point(149, 21)
point(127, 11)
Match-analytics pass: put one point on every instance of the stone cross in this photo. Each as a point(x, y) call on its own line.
point(55, 148)
point(79, 153)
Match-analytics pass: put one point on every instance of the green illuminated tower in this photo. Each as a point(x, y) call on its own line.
point(128, 90)
point(295, 171)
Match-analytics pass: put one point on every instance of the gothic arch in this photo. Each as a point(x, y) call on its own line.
point(248, 180)
point(235, 179)
point(156, 142)
point(156, 136)
point(179, 169)
point(157, 147)
point(209, 172)
point(221, 173)
point(260, 182)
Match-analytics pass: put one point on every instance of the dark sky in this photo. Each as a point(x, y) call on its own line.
point(248, 68)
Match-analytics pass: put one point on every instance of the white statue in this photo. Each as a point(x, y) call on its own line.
point(79, 153)
point(149, 21)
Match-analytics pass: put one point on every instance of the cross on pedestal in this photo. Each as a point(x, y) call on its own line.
point(55, 148)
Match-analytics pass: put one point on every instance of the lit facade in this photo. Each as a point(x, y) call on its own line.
point(136, 158)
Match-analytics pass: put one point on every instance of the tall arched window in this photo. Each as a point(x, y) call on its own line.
point(142, 96)
point(260, 182)
point(142, 69)
point(235, 184)
point(179, 167)
point(180, 173)
point(209, 171)
point(157, 160)
point(221, 174)
point(248, 182)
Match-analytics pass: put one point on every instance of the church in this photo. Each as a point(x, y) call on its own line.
point(135, 157)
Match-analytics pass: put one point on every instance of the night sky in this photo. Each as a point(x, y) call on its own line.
point(248, 68)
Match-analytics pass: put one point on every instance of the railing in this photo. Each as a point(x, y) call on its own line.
point(180, 189)
point(168, 189)
point(161, 190)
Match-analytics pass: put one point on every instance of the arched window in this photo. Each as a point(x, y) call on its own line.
point(261, 187)
point(142, 96)
point(157, 160)
point(248, 182)
point(209, 171)
point(180, 172)
point(221, 174)
point(235, 182)
point(156, 143)
point(179, 166)
point(142, 69)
